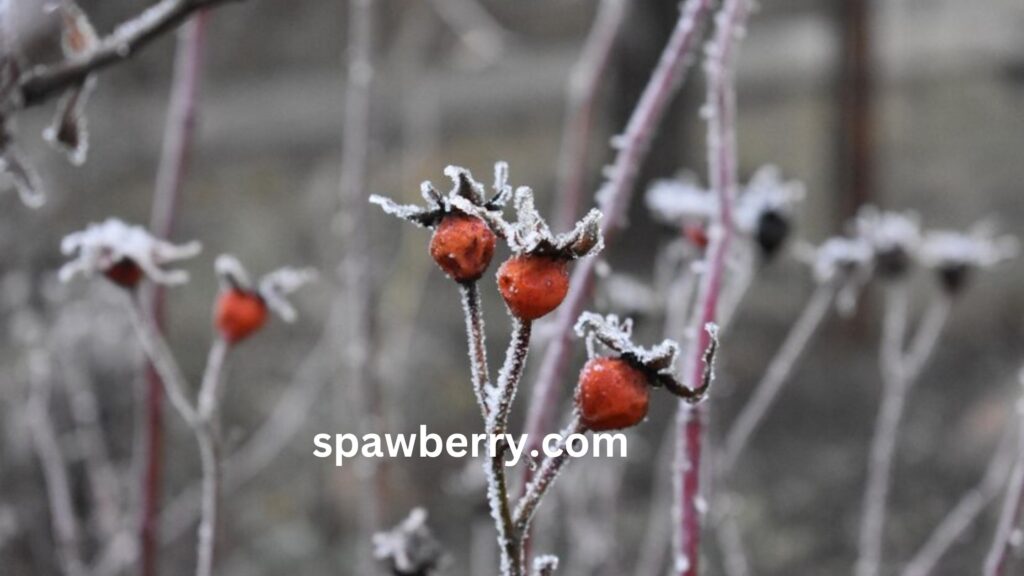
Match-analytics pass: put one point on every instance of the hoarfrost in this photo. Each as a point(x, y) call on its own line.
point(101, 246)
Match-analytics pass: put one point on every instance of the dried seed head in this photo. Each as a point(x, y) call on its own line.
point(101, 247)
point(955, 256)
point(533, 286)
point(463, 246)
point(847, 262)
point(612, 394)
point(410, 548)
point(894, 238)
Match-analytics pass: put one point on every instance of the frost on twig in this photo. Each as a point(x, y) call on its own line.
point(19, 173)
point(272, 289)
point(545, 565)
point(658, 362)
point(764, 208)
point(78, 40)
point(123, 253)
point(410, 548)
point(465, 190)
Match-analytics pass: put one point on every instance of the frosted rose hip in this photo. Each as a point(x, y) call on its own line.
point(463, 246)
point(533, 286)
point(239, 315)
point(612, 394)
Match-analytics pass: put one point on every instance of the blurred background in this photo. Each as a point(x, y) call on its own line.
point(907, 104)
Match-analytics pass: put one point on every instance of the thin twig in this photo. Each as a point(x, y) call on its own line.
point(730, 541)
point(656, 543)
point(721, 110)
point(43, 82)
point(614, 197)
point(355, 268)
point(775, 377)
point(1007, 537)
point(968, 509)
point(58, 486)
point(545, 477)
point(499, 401)
point(585, 81)
point(476, 338)
point(899, 371)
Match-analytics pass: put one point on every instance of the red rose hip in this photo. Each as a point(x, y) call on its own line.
point(463, 246)
point(612, 394)
point(239, 314)
point(532, 286)
point(125, 273)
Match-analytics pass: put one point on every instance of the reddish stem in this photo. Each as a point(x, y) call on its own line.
point(615, 196)
point(178, 136)
point(722, 175)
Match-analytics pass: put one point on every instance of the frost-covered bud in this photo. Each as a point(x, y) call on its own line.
point(894, 237)
point(613, 390)
point(764, 208)
point(846, 262)
point(409, 549)
point(462, 244)
point(955, 256)
point(241, 308)
point(124, 254)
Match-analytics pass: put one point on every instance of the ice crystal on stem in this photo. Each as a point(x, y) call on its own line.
point(123, 253)
point(410, 548)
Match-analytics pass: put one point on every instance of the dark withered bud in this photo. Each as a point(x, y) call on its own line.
point(892, 263)
point(954, 277)
point(773, 229)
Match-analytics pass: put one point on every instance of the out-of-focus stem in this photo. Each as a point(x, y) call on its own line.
point(355, 266)
point(968, 509)
point(775, 377)
point(721, 107)
point(1011, 515)
point(179, 134)
point(899, 372)
point(615, 195)
point(544, 478)
point(585, 82)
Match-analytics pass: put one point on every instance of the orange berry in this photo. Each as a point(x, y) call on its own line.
point(239, 314)
point(612, 394)
point(125, 273)
point(463, 246)
point(697, 234)
point(532, 286)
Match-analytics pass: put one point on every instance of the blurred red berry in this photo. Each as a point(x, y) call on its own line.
point(125, 273)
point(612, 394)
point(697, 234)
point(463, 246)
point(532, 286)
point(239, 314)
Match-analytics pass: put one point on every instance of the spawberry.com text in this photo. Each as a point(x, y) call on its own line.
point(426, 444)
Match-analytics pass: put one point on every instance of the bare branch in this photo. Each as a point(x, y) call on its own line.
point(43, 82)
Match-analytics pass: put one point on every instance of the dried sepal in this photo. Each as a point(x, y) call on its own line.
point(101, 247)
point(21, 175)
point(409, 549)
point(530, 234)
point(545, 565)
point(68, 130)
point(436, 205)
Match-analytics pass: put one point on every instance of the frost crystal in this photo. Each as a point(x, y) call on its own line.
point(21, 175)
point(78, 39)
point(465, 189)
point(273, 287)
point(978, 248)
point(101, 246)
point(545, 565)
point(410, 548)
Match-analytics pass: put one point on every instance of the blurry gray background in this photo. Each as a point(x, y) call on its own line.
point(946, 119)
